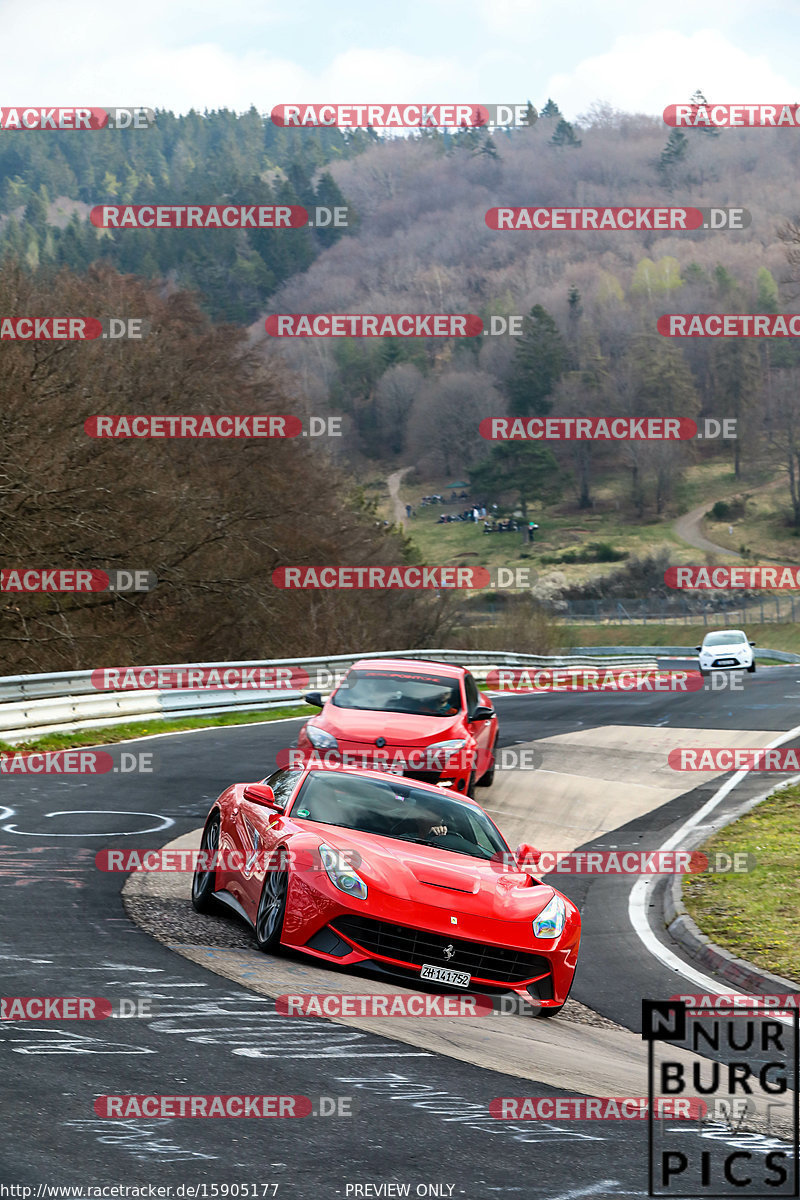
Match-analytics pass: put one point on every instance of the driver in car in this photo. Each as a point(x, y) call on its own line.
point(419, 822)
point(442, 704)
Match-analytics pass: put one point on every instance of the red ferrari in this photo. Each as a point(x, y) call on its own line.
point(399, 877)
point(425, 720)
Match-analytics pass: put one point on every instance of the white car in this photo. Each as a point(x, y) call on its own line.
point(726, 650)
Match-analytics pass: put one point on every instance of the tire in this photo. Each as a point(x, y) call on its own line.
point(203, 882)
point(544, 1013)
point(488, 779)
point(752, 668)
point(272, 908)
point(704, 674)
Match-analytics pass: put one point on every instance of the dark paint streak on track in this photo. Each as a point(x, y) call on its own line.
point(65, 933)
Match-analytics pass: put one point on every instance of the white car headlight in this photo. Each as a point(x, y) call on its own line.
point(551, 919)
point(320, 738)
point(340, 874)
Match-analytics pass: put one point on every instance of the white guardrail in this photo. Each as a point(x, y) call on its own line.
point(32, 705)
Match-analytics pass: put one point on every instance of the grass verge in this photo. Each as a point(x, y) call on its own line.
point(754, 914)
point(135, 729)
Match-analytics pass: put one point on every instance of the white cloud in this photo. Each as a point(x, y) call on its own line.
point(191, 58)
point(204, 54)
point(646, 72)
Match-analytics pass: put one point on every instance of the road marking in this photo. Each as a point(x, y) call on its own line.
point(69, 812)
point(637, 901)
point(595, 1190)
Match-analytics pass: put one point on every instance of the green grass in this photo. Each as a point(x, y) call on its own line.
point(466, 543)
point(564, 527)
point(754, 915)
point(135, 729)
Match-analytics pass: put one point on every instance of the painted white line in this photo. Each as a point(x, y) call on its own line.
point(595, 1190)
point(637, 901)
point(166, 822)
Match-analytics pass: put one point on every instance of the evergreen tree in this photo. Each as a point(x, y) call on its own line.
point(671, 157)
point(551, 109)
point(527, 470)
point(565, 135)
point(330, 195)
point(540, 357)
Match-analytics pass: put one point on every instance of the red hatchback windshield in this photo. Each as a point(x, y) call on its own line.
point(421, 695)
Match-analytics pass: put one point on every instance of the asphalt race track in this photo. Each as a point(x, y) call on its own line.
point(418, 1117)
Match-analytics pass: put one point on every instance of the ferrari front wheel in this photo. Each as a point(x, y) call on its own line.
point(204, 882)
point(272, 907)
point(541, 1013)
point(548, 1012)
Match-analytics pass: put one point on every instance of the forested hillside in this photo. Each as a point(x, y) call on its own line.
point(418, 241)
point(211, 518)
point(49, 181)
point(591, 347)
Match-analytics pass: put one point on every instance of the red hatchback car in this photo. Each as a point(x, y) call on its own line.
point(363, 868)
point(426, 720)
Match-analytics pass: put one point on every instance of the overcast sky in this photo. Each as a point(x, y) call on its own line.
point(181, 54)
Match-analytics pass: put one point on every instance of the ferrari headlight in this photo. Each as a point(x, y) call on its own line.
point(320, 738)
point(341, 876)
point(550, 920)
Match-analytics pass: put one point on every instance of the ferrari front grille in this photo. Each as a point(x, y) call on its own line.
point(417, 946)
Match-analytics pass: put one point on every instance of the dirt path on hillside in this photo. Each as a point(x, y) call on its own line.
point(398, 508)
point(687, 528)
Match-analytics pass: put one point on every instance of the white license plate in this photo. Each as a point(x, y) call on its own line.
point(728, 662)
point(445, 975)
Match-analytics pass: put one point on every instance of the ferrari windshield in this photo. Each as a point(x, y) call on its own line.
point(401, 692)
point(728, 637)
point(397, 809)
